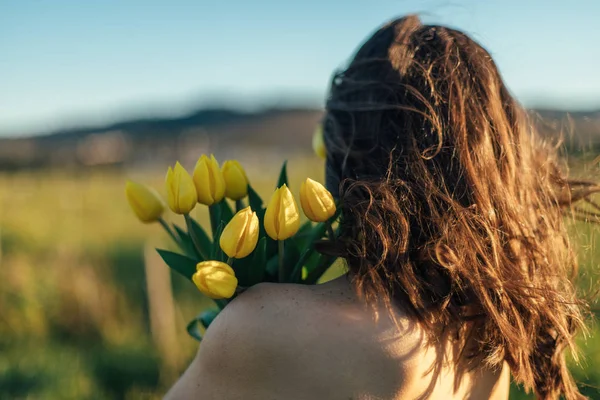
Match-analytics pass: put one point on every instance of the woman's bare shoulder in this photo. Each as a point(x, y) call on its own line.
point(259, 319)
point(267, 311)
point(276, 321)
point(279, 318)
point(272, 334)
point(263, 338)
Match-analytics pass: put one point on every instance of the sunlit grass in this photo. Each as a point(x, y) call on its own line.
point(73, 300)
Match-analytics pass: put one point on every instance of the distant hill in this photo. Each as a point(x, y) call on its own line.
point(227, 133)
point(578, 129)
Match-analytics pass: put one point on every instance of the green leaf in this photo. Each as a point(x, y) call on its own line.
point(203, 320)
point(214, 212)
point(222, 303)
point(259, 262)
point(241, 267)
point(292, 254)
point(185, 243)
point(305, 228)
point(193, 329)
point(296, 275)
point(283, 179)
point(272, 268)
point(217, 253)
point(312, 261)
point(308, 234)
point(271, 247)
point(256, 203)
point(180, 263)
point(250, 270)
point(304, 234)
point(324, 264)
point(226, 211)
point(207, 317)
point(239, 205)
point(203, 239)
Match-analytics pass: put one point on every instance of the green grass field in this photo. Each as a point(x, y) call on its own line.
point(74, 300)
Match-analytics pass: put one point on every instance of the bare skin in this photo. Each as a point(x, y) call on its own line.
point(297, 342)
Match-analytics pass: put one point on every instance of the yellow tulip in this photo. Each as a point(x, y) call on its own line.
point(318, 143)
point(181, 193)
point(144, 201)
point(209, 181)
point(236, 181)
point(215, 279)
point(240, 236)
point(316, 201)
point(282, 220)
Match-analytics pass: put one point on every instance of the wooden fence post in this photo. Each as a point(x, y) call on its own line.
point(161, 310)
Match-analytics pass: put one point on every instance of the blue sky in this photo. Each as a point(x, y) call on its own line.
point(66, 62)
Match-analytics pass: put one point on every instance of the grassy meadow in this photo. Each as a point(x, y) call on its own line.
point(80, 318)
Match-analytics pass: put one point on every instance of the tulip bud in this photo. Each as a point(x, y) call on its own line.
point(316, 201)
point(281, 218)
point(236, 182)
point(144, 201)
point(318, 143)
point(181, 193)
point(240, 236)
point(209, 181)
point(215, 279)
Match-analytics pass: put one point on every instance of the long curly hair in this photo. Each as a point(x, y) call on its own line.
point(451, 203)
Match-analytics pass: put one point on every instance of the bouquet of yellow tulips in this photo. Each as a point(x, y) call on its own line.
point(255, 244)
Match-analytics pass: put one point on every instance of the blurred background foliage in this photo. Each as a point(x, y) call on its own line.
point(80, 315)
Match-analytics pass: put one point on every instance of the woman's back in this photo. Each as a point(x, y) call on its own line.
point(322, 342)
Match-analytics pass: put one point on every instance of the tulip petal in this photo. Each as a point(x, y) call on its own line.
point(271, 220)
point(144, 201)
point(215, 279)
point(289, 219)
point(186, 192)
point(221, 284)
point(181, 193)
point(233, 235)
point(305, 203)
point(216, 179)
point(317, 202)
point(251, 236)
point(236, 181)
point(202, 182)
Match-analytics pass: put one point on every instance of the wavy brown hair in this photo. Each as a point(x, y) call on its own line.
point(451, 203)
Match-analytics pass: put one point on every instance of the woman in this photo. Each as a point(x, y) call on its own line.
point(458, 259)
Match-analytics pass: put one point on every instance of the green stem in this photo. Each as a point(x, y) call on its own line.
point(330, 232)
point(324, 263)
point(230, 261)
point(221, 303)
point(169, 230)
point(281, 254)
point(214, 223)
point(317, 233)
point(190, 228)
point(239, 205)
